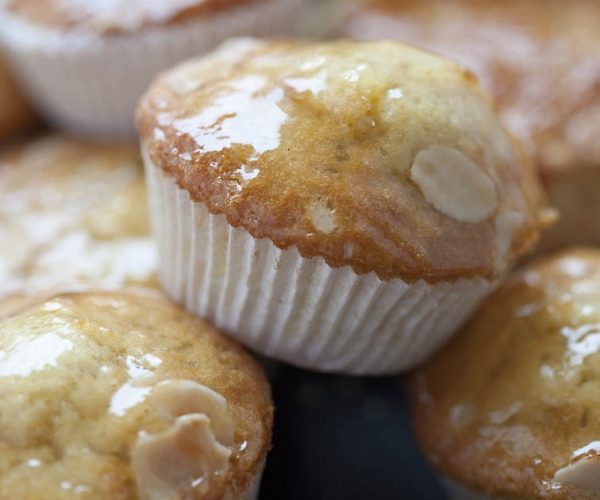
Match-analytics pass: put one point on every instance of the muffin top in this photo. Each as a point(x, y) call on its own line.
point(539, 58)
point(73, 214)
point(113, 16)
point(510, 406)
point(373, 155)
point(110, 395)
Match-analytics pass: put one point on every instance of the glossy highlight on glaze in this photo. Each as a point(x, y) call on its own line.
point(30, 354)
point(232, 118)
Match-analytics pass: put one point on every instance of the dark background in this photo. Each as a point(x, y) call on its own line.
point(343, 438)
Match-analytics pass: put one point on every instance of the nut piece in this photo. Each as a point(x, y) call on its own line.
point(583, 473)
point(322, 217)
point(453, 184)
point(174, 398)
point(184, 458)
point(193, 453)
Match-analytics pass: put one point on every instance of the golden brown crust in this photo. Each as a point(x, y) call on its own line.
point(109, 18)
point(539, 58)
point(514, 396)
point(100, 342)
point(311, 145)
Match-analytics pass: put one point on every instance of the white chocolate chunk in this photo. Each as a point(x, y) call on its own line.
point(174, 398)
point(322, 217)
point(453, 184)
point(184, 458)
point(583, 473)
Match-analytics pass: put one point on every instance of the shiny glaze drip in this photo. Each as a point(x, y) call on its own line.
point(231, 119)
point(28, 355)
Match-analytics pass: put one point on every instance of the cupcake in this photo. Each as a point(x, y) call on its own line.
point(85, 64)
point(73, 215)
point(509, 408)
point(114, 395)
point(541, 61)
point(16, 117)
point(339, 206)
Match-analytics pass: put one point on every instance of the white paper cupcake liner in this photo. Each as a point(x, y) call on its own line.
point(90, 85)
point(295, 309)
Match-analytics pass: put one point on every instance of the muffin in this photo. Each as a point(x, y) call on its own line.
point(16, 117)
point(85, 64)
point(339, 206)
point(541, 61)
point(73, 215)
point(108, 395)
point(323, 17)
point(509, 408)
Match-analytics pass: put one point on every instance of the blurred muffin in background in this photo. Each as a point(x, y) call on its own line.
point(541, 61)
point(323, 17)
point(16, 116)
point(85, 64)
point(124, 396)
point(509, 409)
point(340, 206)
point(72, 215)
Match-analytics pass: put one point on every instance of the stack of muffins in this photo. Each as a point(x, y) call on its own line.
point(342, 206)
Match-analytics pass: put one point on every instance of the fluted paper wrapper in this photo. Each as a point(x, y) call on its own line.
point(295, 309)
point(90, 85)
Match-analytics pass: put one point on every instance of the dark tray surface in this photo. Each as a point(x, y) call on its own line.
point(343, 438)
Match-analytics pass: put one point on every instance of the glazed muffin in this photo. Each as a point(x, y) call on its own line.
point(508, 408)
point(541, 61)
point(107, 395)
point(73, 215)
point(16, 117)
point(340, 206)
point(85, 64)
